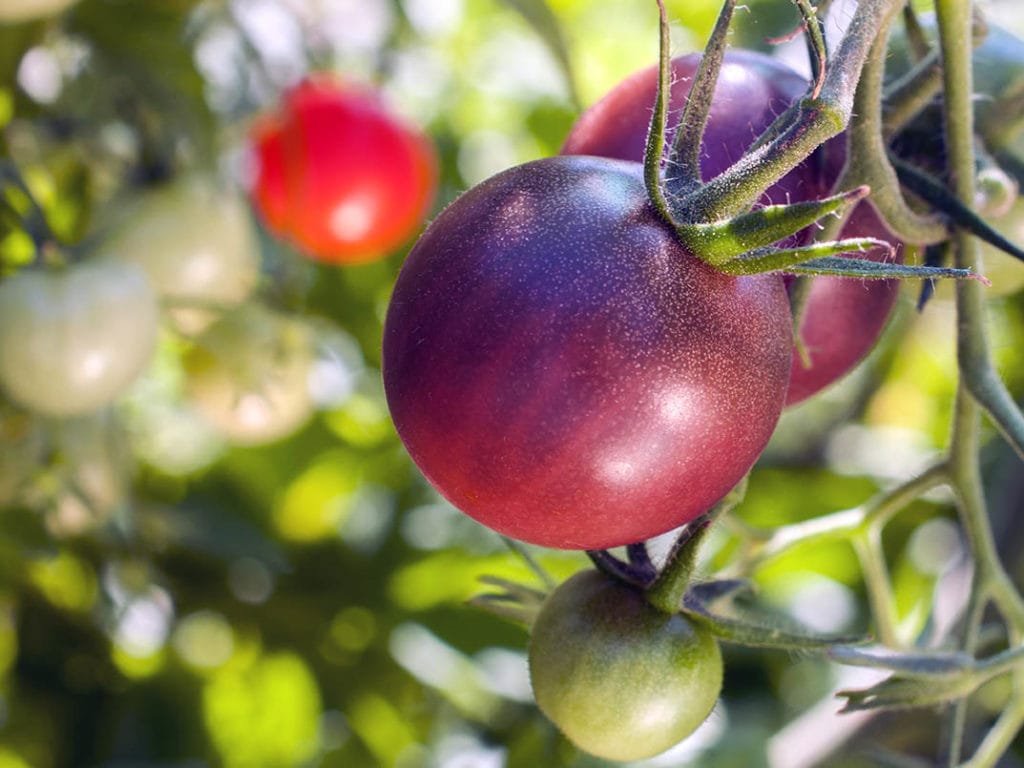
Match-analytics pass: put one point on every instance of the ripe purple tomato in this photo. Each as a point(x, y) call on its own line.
point(842, 318)
point(562, 370)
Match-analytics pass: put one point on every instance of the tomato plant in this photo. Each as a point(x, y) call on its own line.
point(72, 340)
point(339, 175)
point(565, 372)
point(195, 243)
point(842, 318)
point(622, 679)
point(248, 375)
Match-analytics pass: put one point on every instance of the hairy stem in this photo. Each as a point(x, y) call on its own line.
point(819, 119)
point(979, 386)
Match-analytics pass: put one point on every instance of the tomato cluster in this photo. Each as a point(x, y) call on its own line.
point(339, 175)
point(565, 372)
point(73, 339)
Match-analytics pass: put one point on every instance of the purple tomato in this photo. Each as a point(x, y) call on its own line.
point(562, 370)
point(843, 317)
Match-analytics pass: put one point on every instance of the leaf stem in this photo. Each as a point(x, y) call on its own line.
point(881, 596)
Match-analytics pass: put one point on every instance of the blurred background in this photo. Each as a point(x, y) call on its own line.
point(188, 578)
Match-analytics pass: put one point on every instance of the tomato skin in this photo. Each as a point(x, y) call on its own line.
point(566, 373)
point(843, 317)
point(196, 244)
point(72, 341)
point(621, 679)
point(339, 175)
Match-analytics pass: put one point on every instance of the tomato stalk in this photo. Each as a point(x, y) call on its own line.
point(817, 120)
point(682, 175)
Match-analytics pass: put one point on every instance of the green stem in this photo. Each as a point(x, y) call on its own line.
point(868, 162)
point(979, 387)
point(999, 737)
point(868, 546)
point(669, 588)
point(838, 526)
point(655, 148)
point(683, 172)
point(914, 91)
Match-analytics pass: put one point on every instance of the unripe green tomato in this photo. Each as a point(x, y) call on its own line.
point(72, 340)
point(26, 10)
point(248, 375)
point(197, 245)
point(620, 678)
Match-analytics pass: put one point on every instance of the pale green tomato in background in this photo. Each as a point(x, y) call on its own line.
point(197, 245)
point(248, 375)
point(27, 10)
point(72, 340)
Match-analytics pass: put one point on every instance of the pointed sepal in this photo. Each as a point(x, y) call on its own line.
point(919, 679)
point(880, 270)
point(512, 601)
point(719, 242)
point(683, 172)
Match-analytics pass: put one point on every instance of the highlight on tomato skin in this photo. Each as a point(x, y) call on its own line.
point(843, 318)
point(562, 370)
point(340, 175)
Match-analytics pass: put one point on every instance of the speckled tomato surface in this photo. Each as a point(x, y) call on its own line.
point(563, 371)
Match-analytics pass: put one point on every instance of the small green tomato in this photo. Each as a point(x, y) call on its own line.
point(620, 678)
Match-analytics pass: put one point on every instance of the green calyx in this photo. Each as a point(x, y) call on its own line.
point(717, 220)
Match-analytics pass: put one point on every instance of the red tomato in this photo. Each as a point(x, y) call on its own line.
point(339, 175)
